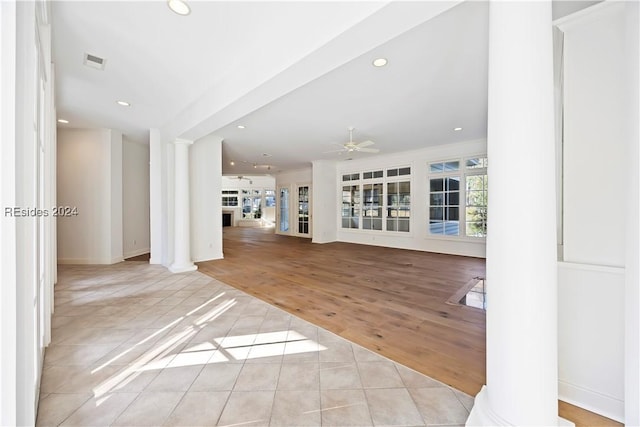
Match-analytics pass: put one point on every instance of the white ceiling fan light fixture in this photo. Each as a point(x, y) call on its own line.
point(179, 7)
point(458, 129)
point(351, 146)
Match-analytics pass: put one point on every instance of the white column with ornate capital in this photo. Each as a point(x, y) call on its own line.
point(522, 356)
point(181, 240)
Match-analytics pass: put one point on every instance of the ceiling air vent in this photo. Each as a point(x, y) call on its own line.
point(94, 61)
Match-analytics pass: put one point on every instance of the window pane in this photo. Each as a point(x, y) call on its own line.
point(436, 199)
point(392, 172)
point(404, 171)
point(477, 163)
point(436, 213)
point(452, 228)
point(437, 184)
point(453, 213)
point(367, 175)
point(436, 167)
point(453, 183)
point(391, 225)
point(451, 166)
point(436, 227)
point(346, 177)
point(403, 225)
point(475, 182)
point(453, 198)
point(366, 223)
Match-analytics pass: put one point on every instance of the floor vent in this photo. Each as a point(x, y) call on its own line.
point(472, 294)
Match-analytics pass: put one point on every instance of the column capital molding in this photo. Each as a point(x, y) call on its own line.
point(182, 141)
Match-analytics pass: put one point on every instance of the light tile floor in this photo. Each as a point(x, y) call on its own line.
point(134, 345)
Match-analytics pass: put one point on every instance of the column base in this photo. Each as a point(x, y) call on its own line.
point(184, 268)
point(482, 414)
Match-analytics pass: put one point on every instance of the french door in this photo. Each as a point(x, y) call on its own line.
point(303, 216)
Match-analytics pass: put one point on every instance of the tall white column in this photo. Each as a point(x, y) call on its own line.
point(181, 231)
point(522, 377)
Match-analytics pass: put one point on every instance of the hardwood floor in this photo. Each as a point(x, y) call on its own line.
point(392, 301)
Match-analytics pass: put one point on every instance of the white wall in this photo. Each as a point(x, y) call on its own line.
point(632, 268)
point(8, 258)
point(89, 179)
point(325, 200)
point(594, 148)
point(135, 198)
point(418, 238)
point(591, 280)
point(27, 267)
point(590, 337)
point(205, 168)
point(115, 197)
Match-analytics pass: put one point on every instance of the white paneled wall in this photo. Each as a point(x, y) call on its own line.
point(591, 276)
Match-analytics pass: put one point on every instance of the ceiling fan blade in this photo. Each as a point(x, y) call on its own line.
point(365, 144)
point(334, 151)
point(368, 150)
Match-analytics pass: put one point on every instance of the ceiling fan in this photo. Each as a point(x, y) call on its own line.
point(350, 147)
point(240, 178)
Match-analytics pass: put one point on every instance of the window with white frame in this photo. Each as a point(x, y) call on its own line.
point(378, 200)
point(456, 210)
point(350, 206)
point(284, 209)
point(476, 198)
point(269, 198)
point(398, 205)
point(229, 198)
point(251, 204)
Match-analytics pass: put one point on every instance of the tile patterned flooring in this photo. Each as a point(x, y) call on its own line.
point(134, 345)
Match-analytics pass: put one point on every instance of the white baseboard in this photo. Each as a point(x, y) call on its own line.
point(210, 257)
point(601, 404)
point(90, 261)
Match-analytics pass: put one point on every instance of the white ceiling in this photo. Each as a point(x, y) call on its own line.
point(296, 74)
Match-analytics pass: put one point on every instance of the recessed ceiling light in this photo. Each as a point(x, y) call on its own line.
point(179, 7)
point(241, 127)
point(457, 129)
point(63, 121)
point(123, 103)
point(380, 62)
point(232, 163)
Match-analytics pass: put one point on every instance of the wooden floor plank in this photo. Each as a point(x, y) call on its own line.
point(391, 301)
